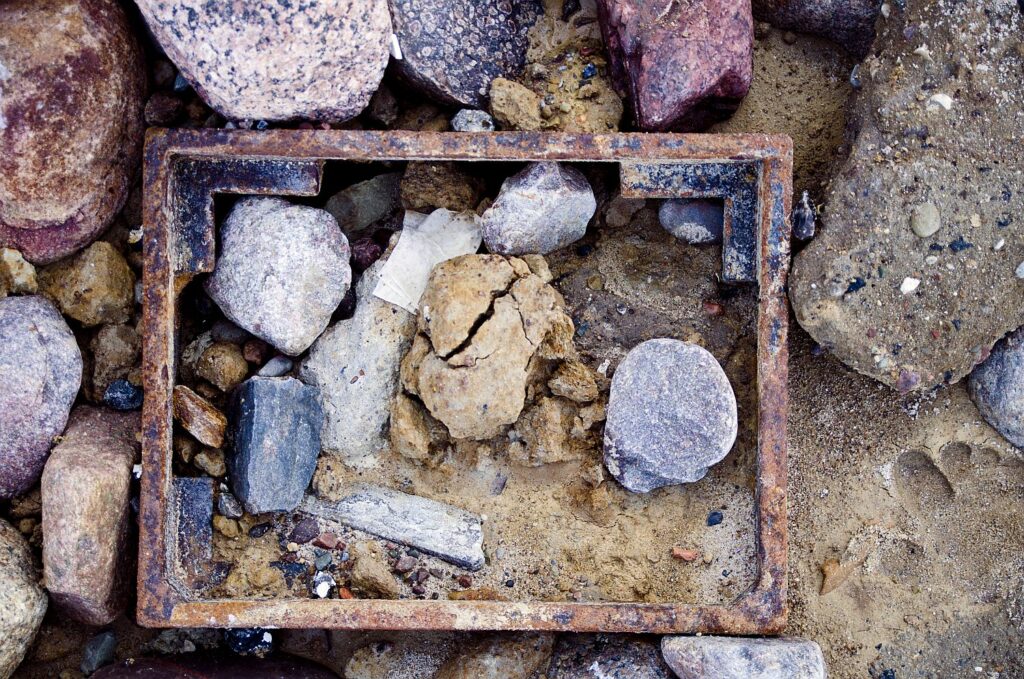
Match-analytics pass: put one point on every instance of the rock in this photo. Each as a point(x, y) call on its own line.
point(698, 657)
point(275, 440)
point(22, 600)
point(925, 220)
point(997, 388)
point(71, 114)
point(543, 208)
point(41, 370)
point(803, 218)
point(123, 395)
point(851, 23)
point(16, 275)
point(845, 285)
point(96, 286)
point(607, 656)
point(426, 186)
point(282, 271)
point(451, 51)
point(515, 106)
point(223, 365)
point(365, 252)
point(500, 656)
point(370, 573)
point(574, 381)
point(355, 365)
point(199, 417)
point(471, 120)
point(211, 461)
point(208, 666)
point(87, 555)
point(360, 205)
point(671, 415)
point(229, 506)
point(98, 652)
point(276, 367)
point(693, 220)
point(226, 331)
point(162, 109)
point(273, 61)
point(447, 532)
point(684, 65)
point(550, 432)
point(116, 349)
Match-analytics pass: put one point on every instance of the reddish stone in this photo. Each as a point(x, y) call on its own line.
point(85, 493)
point(326, 541)
point(683, 65)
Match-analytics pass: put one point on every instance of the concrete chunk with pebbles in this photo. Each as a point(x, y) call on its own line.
point(671, 415)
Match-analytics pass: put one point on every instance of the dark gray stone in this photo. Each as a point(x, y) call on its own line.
point(539, 210)
point(360, 205)
point(275, 438)
point(743, 658)
point(694, 220)
point(671, 415)
point(229, 506)
point(41, 371)
point(98, 651)
point(997, 387)
point(850, 23)
point(607, 656)
point(471, 120)
point(453, 49)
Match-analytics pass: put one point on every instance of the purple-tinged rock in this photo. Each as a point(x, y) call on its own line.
point(850, 23)
point(671, 415)
point(607, 656)
point(275, 441)
point(997, 387)
point(281, 272)
point(743, 658)
point(41, 371)
point(697, 221)
point(22, 600)
point(683, 65)
point(543, 208)
point(269, 60)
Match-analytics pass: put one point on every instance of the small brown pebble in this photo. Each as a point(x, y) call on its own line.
point(345, 593)
point(436, 572)
point(685, 554)
point(211, 461)
point(223, 366)
point(713, 308)
point(199, 417)
point(326, 541)
point(405, 564)
point(465, 581)
point(421, 575)
point(256, 351)
point(419, 589)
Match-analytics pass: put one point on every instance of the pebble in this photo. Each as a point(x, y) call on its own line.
point(363, 203)
point(693, 220)
point(327, 540)
point(715, 517)
point(275, 441)
point(308, 61)
point(116, 350)
point(1019, 271)
point(323, 583)
point(543, 208)
point(223, 366)
point(997, 387)
point(671, 415)
point(123, 395)
point(17, 276)
point(909, 285)
point(276, 367)
point(226, 331)
point(323, 561)
point(41, 371)
point(282, 271)
point(750, 658)
point(405, 564)
point(304, 531)
point(94, 287)
point(22, 600)
point(229, 506)
point(925, 220)
point(211, 461)
point(804, 218)
point(472, 120)
point(683, 554)
point(98, 652)
point(370, 574)
point(199, 417)
point(515, 106)
point(74, 81)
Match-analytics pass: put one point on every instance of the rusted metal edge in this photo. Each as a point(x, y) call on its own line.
point(761, 610)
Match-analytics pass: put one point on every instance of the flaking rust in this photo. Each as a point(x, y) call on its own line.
point(184, 169)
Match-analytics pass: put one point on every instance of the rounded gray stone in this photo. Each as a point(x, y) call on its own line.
point(997, 387)
point(471, 120)
point(671, 415)
point(281, 272)
point(743, 658)
point(41, 371)
point(543, 208)
point(22, 600)
point(925, 220)
point(697, 221)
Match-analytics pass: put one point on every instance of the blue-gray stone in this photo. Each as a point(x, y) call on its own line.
point(735, 657)
point(472, 120)
point(98, 651)
point(997, 387)
point(695, 220)
point(275, 440)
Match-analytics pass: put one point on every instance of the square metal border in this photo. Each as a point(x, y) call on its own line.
point(183, 168)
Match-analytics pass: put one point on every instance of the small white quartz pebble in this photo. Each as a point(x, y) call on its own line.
point(909, 285)
point(1020, 270)
point(940, 99)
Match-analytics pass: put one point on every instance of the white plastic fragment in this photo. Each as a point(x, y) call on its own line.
point(909, 285)
point(425, 242)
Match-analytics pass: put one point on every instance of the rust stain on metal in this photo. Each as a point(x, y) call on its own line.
point(184, 169)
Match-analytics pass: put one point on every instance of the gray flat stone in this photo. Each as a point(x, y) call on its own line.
point(444, 531)
point(671, 415)
point(694, 220)
point(743, 658)
point(997, 387)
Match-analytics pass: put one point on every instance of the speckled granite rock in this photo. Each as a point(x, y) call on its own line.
point(740, 658)
point(276, 61)
point(281, 271)
point(93, 287)
point(541, 209)
point(40, 370)
point(86, 487)
point(997, 388)
point(925, 132)
point(500, 656)
point(683, 65)
point(452, 50)
point(72, 82)
point(671, 415)
point(22, 600)
point(851, 23)
point(607, 656)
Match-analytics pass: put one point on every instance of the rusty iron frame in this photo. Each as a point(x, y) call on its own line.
point(184, 168)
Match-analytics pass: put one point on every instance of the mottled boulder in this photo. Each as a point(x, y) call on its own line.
point(281, 272)
point(40, 370)
point(93, 287)
point(451, 51)
point(683, 65)
point(851, 23)
point(997, 388)
point(274, 440)
point(72, 81)
point(607, 656)
point(86, 487)
point(694, 220)
point(500, 656)
point(276, 61)
point(671, 415)
point(22, 600)
point(737, 657)
point(925, 133)
point(543, 208)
